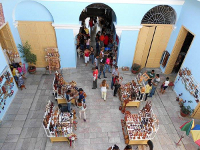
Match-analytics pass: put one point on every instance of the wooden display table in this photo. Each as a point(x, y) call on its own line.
point(61, 100)
point(59, 139)
point(133, 103)
point(137, 142)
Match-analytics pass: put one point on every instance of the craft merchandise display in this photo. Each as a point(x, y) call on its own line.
point(59, 126)
point(130, 94)
point(52, 57)
point(141, 127)
point(6, 87)
point(190, 83)
point(60, 86)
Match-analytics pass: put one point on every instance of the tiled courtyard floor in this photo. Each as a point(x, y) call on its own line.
point(21, 128)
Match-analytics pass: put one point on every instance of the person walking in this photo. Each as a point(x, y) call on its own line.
point(117, 84)
point(88, 43)
point(101, 54)
point(107, 64)
point(21, 82)
point(82, 108)
point(102, 38)
point(104, 86)
point(148, 88)
point(95, 75)
point(92, 54)
point(101, 70)
point(164, 85)
point(115, 73)
point(87, 54)
point(155, 83)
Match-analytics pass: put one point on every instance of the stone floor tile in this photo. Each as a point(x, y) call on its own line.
point(6, 124)
point(18, 123)
point(8, 146)
point(19, 144)
point(20, 117)
point(12, 138)
point(15, 130)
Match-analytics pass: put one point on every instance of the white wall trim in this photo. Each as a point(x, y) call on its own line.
point(119, 29)
point(157, 2)
point(74, 27)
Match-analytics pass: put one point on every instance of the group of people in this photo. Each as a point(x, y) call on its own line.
point(18, 71)
point(79, 101)
point(152, 84)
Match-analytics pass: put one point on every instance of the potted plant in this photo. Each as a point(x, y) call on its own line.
point(135, 68)
point(185, 111)
point(28, 56)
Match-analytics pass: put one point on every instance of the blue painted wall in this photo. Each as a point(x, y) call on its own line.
point(127, 45)
point(9, 99)
point(189, 18)
point(34, 12)
point(66, 47)
point(60, 12)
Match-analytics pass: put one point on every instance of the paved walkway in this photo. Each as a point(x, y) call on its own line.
point(21, 128)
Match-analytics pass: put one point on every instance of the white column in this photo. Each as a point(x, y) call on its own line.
point(119, 29)
point(74, 27)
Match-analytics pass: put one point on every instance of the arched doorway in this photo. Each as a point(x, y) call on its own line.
point(103, 18)
point(153, 37)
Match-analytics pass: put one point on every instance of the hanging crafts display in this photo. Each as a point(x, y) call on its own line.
point(52, 57)
point(190, 83)
point(6, 87)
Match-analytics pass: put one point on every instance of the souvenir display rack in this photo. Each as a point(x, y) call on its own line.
point(141, 127)
point(59, 125)
point(130, 94)
point(190, 83)
point(60, 87)
point(6, 87)
point(52, 57)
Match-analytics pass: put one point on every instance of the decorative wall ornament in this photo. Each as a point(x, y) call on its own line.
point(162, 14)
point(190, 83)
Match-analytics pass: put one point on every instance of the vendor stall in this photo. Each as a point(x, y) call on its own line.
point(59, 125)
point(130, 94)
point(52, 57)
point(60, 86)
point(141, 127)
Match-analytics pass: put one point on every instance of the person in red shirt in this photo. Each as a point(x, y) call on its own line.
point(106, 39)
point(87, 54)
point(95, 75)
point(102, 38)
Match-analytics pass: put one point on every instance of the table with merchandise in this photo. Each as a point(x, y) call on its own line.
point(141, 127)
point(59, 125)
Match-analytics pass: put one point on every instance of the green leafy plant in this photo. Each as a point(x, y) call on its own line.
point(28, 56)
point(136, 67)
point(187, 110)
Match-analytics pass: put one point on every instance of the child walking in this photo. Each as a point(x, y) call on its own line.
point(104, 86)
point(164, 85)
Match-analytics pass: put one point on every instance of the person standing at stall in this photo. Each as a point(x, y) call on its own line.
point(117, 84)
point(68, 98)
point(82, 108)
point(148, 88)
point(95, 75)
point(155, 83)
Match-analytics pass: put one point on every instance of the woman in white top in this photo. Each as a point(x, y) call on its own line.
point(104, 86)
point(164, 85)
point(88, 43)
